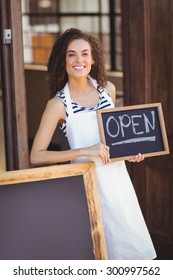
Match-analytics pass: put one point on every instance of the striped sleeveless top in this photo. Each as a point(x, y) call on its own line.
point(103, 103)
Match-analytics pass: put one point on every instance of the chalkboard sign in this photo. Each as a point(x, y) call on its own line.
point(51, 213)
point(131, 130)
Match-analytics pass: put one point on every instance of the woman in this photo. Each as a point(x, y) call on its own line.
point(78, 88)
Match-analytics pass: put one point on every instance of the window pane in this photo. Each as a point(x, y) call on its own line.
point(118, 44)
point(41, 6)
point(118, 25)
point(106, 45)
point(105, 25)
point(104, 6)
point(117, 6)
point(119, 62)
point(76, 6)
point(86, 24)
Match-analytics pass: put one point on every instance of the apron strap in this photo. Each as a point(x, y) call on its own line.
point(93, 81)
point(68, 99)
point(104, 92)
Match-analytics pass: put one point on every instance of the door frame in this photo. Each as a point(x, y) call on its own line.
point(13, 87)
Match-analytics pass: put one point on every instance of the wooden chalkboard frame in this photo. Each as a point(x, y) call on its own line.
point(163, 135)
point(87, 170)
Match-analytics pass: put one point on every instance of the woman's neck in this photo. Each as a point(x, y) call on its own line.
point(79, 86)
point(83, 92)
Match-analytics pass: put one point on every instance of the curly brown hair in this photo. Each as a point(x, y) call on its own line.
point(57, 61)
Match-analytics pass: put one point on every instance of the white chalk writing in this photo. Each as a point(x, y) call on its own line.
point(135, 140)
point(139, 124)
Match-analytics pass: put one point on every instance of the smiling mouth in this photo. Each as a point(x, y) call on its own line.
point(79, 68)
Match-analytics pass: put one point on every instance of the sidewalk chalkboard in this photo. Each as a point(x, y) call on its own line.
point(51, 213)
point(130, 130)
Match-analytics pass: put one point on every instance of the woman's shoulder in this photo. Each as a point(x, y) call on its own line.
point(55, 104)
point(61, 96)
point(55, 108)
point(110, 87)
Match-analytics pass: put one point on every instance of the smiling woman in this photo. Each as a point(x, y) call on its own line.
point(78, 64)
point(79, 57)
point(78, 88)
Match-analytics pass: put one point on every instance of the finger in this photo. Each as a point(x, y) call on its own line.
point(102, 152)
point(140, 157)
point(108, 160)
point(137, 158)
point(133, 159)
point(130, 159)
point(105, 154)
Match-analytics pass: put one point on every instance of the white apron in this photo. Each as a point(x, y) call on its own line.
point(125, 230)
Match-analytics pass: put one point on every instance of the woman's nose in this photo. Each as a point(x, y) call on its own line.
point(79, 57)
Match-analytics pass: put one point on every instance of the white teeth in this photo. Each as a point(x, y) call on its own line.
point(78, 67)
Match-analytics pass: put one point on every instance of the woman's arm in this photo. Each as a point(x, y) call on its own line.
point(52, 115)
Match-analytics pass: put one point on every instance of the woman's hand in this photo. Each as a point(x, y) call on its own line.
point(99, 150)
point(137, 158)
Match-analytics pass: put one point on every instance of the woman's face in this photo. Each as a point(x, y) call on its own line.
point(78, 58)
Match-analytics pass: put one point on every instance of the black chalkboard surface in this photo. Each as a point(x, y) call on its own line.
point(131, 130)
point(51, 213)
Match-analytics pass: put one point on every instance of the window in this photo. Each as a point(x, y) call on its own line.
point(43, 19)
